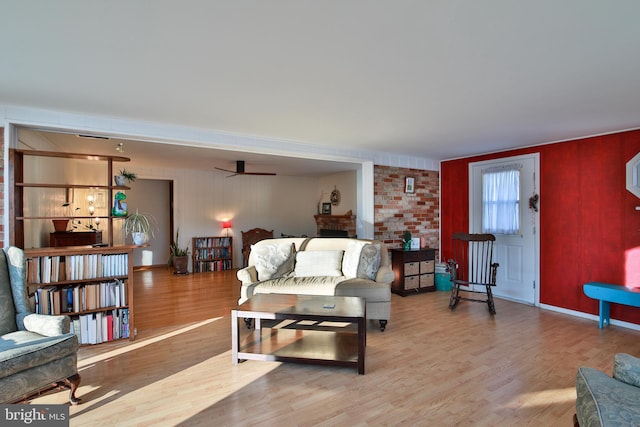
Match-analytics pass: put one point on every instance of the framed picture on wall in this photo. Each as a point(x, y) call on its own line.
point(409, 184)
point(326, 209)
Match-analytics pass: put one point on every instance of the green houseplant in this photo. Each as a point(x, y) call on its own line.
point(406, 240)
point(178, 257)
point(140, 226)
point(124, 176)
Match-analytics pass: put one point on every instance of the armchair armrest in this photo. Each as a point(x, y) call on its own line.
point(626, 368)
point(247, 275)
point(385, 275)
point(46, 325)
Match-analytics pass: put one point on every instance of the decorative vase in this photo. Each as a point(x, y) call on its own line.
point(60, 224)
point(139, 238)
point(120, 180)
point(407, 246)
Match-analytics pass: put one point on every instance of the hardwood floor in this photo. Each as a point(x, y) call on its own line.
point(431, 366)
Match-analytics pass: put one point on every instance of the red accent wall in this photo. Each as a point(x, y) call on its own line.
point(588, 220)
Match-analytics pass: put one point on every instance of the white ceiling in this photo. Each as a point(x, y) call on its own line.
point(435, 79)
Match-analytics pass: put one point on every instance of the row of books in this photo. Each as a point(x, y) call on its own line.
point(217, 265)
point(208, 242)
point(212, 253)
point(74, 299)
point(95, 328)
point(52, 269)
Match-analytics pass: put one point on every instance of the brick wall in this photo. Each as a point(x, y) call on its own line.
point(397, 211)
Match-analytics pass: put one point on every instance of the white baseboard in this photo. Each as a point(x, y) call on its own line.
point(628, 325)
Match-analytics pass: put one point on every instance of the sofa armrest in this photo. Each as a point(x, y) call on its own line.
point(46, 325)
point(385, 275)
point(626, 368)
point(247, 275)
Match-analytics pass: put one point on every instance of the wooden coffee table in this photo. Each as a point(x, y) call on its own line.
point(322, 330)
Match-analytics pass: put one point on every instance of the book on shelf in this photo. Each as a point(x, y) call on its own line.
point(78, 298)
point(96, 328)
point(48, 269)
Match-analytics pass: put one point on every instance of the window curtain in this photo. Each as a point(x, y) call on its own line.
point(501, 199)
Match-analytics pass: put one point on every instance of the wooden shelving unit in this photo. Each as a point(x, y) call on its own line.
point(94, 286)
point(17, 186)
point(213, 253)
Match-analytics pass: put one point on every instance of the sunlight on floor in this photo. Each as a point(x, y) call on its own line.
point(542, 398)
point(217, 389)
point(229, 380)
point(135, 345)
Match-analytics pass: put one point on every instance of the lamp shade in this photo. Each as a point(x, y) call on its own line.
point(226, 224)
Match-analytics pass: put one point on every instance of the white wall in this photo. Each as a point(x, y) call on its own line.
point(150, 197)
point(345, 182)
point(202, 200)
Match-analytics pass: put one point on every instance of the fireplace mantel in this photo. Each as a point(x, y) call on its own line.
point(346, 222)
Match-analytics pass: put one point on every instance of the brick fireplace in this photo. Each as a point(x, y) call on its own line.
point(336, 223)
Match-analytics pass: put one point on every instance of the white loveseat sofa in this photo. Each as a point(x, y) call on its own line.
point(321, 266)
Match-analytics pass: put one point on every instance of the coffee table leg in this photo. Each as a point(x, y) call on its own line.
point(362, 343)
point(235, 337)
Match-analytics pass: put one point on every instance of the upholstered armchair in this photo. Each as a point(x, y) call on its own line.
point(36, 351)
point(609, 401)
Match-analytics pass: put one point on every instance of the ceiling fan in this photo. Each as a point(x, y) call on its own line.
point(240, 170)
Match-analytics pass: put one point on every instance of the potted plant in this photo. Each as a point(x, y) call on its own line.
point(406, 240)
point(178, 257)
point(124, 176)
point(140, 227)
point(62, 224)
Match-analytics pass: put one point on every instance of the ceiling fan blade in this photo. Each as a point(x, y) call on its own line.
point(240, 170)
point(225, 170)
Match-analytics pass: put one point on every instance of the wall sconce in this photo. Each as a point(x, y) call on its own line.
point(226, 225)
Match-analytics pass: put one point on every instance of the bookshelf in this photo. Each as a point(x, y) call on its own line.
point(93, 286)
point(213, 253)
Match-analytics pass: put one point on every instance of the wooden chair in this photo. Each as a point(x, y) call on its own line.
point(251, 237)
point(472, 269)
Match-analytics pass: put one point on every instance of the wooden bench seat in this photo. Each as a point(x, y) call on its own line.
point(607, 293)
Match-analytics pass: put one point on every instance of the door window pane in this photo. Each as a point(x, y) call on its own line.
point(501, 202)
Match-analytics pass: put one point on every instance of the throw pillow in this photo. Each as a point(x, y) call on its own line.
point(369, 261)
point(351, 259)
point(318, 263)
point(273, 261)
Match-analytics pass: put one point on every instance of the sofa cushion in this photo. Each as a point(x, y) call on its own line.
point(22, 350)
point(273, 261)
point(318, 263)
point(626, 368)
point(351, 259)
point(364, 288)
point(316, 285)
point(369, 261)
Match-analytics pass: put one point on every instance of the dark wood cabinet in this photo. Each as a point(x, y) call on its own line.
point(414, 271)
point(74, 238)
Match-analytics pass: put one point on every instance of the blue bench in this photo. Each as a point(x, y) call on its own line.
point(608, 293)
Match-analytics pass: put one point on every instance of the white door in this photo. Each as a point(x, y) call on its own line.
point(517, 254)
